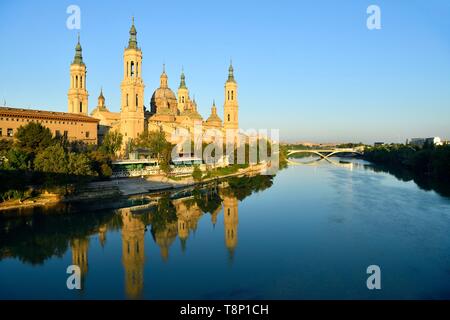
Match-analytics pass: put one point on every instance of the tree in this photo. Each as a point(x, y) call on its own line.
point(197, 173)
point(5, 146)
point(53, 159)
point(17, 159)
point(111, 142)
point(156, 143)
point(101, 163)
point(33, 138)
point(79, 164)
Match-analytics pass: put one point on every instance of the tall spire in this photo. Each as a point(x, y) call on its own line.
point(101, 94)
point(183, 79)
point(78, 59)
point(213, 108)
point(163, 78)
point(132, 43)
point(231, 72)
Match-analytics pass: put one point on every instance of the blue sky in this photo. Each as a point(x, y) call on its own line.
point(309, 68)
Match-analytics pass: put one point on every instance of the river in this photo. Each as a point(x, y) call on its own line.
point(308, 233)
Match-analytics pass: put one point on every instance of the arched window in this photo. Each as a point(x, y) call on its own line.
point(81, 107)
point(132, 69)
point(81, 82)
point(232, 94)
point(137, 69)
point(76, 81)
point(228, 95)
point(137, 101)
point(228, 117)
point(182, 99)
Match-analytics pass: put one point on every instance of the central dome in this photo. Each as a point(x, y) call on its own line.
point(163, 99)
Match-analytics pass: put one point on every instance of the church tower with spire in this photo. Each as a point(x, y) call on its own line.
point(132, 90)
point(78, 95)
point(183, 94)
point(230, 107)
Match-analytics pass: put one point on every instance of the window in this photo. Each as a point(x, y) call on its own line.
point(87, 134)
point(57, 133)
point(137, 100)
point(228, 117)
point(137, 69)
point(228, 95)
point(9, 132)
point(1, 133)
point(182, 99)
point(127, 100)
point(232, 94)
point(76, 81)
point(132, 69)
point(66, 134)
point(81, 81)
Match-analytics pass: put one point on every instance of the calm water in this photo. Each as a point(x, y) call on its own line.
point(310, 232)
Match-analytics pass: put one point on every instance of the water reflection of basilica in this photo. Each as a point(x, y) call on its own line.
point(186, 215)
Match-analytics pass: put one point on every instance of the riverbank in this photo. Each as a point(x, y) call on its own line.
point(125, 187)
point(42, 200)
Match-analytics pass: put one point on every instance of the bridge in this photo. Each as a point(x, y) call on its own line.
point(327, 153)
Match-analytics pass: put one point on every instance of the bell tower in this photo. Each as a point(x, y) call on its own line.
point(230, 117)
point(183, 94)
point(78, 95)
point(132, 90)
point(231, 221)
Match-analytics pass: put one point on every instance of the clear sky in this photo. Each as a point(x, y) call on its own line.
point(309, 68)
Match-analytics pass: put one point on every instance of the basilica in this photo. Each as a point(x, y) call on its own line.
point(168, 111)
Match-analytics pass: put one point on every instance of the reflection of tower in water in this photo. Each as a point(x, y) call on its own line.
point(102, 235)
point(80, 249)
point(164, 239)
point(133, 255)
point(188, 215)
point(231, 220)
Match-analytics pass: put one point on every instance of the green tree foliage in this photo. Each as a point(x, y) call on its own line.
point(5, 146)
point(79, 164)
point(33, 138)
point(197, 173)
point(53, 159)
point(101, 163)
point(17, 159)
point(156, 143)
point(111, 143)
point(432, 160)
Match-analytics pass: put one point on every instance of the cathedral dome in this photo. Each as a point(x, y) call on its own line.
point(214, 119)
point(163, 97)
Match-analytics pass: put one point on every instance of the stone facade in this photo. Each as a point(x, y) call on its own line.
point(73, 126)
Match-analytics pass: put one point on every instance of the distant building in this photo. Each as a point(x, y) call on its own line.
point(377, 144)
point(420, 142)
point(73, 126)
